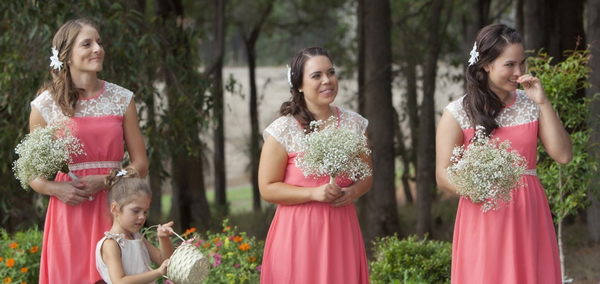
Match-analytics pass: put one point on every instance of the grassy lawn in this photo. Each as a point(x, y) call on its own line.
point(240, 199)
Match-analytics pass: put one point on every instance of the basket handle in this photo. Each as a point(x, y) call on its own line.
point(144, 236)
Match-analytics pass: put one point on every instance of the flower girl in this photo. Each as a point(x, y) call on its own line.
point(123, 256)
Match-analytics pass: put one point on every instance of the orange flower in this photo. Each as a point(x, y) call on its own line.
point(206, 245)
point(216, 240)
point(1, 258)
point(189, 231)
point(24, 269)
point(252, 259)
point(7, 280)
point(226, 229)
point(13, 245)
point(244, 247)
point(238, 239)
point(10, 262)
point(34, 249)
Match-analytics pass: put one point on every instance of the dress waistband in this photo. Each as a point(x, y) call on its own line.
point(530, 172)
point(95, 165)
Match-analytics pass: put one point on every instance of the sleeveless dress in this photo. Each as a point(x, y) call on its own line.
point(517, 243)
point(71, 232)
point(134, 255)
point(313, 242)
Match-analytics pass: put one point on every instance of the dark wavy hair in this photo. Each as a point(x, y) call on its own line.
point(61, 88)
point(481, 103)
point(296, 106)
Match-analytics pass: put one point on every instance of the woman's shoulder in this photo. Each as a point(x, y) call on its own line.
point(286, 130)
point(353, 120)
point(457, 110)
point(114, 89)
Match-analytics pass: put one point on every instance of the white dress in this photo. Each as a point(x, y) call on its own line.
point(134, 255)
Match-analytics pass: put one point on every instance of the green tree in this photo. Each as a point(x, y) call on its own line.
point(566, 185)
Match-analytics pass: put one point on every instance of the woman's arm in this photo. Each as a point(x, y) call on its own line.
point(111, 255)
point(134, 140)
point(69, 192)
point(552, 134)
point(356, 189)
point(271, 171)
point(449, 135)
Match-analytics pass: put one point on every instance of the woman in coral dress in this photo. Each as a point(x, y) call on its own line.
point(105, 116)
point(516, 243)
point(315, 236)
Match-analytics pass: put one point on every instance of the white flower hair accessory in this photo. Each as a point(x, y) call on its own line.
point(289, 73)
point(55, 62)
point(474, 55)
point(122, 173)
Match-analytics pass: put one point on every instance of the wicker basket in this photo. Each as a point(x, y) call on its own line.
point(187, 265)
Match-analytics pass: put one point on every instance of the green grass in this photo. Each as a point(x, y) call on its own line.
point(240, 199)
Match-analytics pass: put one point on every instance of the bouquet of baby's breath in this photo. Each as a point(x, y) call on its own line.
point(333, 151)
point(486, 171)
point(45, 151)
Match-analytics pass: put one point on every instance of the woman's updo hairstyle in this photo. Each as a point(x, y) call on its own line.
point(481, 103)
point(296, 106)
point(124, 186)
point(63, 90)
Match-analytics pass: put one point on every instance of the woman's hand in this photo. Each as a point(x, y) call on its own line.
point(92, 184)
point(327, 193)
point(345, 199)
point(70, 192)
point(164, 230)
point(533, 88)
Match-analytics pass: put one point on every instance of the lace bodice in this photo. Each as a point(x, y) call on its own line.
point(523, 110)
point(113, 100)
point(288, 132)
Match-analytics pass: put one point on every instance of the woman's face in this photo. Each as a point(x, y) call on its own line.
point(87, 53)
point(505, 69)
point(319, 82)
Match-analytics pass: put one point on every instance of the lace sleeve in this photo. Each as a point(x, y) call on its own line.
point(458, 112)
point(286, 131)
point(46, 106)
point(353, 120)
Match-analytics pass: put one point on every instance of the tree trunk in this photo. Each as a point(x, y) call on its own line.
point(593, 35)
point(382, 214)
point(220, 175)
point(536, 27)
point(426, 150)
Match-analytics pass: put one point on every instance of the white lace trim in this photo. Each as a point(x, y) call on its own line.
point(523, 111)
point(530, 172)
point(95, 165)
point(288, 132)
point(119, 238)
point(114, 100)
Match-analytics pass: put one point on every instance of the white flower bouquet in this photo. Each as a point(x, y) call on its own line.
point(486, 171)
point(333, 151)
point(45, 151)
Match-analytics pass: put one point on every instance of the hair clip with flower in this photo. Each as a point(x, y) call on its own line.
point(55, 62)
point(474, 55)
point(289, 73)
point(122, 173)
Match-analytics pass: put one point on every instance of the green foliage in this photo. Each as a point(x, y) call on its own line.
point(20, 256)
point(410, 260)
point(566, 185)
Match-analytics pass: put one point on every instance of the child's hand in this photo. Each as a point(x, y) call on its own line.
point(164, 230)
point(163, 267)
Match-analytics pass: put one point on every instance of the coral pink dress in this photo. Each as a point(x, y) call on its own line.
point(71, 232)
point(313, 242)
point(517, 243)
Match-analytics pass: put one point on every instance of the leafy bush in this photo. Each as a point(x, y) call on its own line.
point(20, 256)
point(410, 260)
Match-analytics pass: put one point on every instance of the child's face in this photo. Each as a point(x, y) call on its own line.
point(133, 215)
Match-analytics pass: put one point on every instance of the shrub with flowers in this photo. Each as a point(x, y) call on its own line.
point(20, 256)
point(486, 171)
point(235, 257)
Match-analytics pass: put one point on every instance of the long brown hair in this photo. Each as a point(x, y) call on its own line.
point(61, 88)
point(481, 103)
point(296, 106)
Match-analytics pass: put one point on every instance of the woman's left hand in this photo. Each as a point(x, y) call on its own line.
point(533, 88)
point(92, 184)
point(345, 199)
